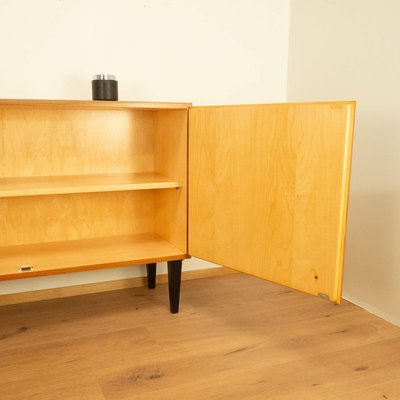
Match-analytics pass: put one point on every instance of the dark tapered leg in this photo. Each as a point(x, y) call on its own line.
point(151, 275)
point(174, 284)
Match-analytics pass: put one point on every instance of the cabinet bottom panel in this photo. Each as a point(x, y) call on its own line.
point(25, 261)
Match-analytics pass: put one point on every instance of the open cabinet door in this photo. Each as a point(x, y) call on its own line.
point(268, 191)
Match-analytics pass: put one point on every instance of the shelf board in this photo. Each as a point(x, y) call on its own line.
point(92, 105)
point(50, 185)
point(85, 255)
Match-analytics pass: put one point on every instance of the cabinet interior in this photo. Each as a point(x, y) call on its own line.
point(95, 184)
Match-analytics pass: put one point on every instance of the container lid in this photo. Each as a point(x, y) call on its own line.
point(103, 77)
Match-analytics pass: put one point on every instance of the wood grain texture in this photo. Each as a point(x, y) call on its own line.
point(236, 337)
point(41, 142)
point(85, 255)
point(170, 159)
point(87, 172)
point(37, 219)
point(100, 287)
point(90, 105)
point(269, 188)
point(44, 185)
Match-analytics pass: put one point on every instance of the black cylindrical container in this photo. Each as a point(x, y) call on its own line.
point(104, 87)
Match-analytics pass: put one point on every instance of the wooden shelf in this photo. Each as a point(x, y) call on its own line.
point(45, 185)
point(85, 255)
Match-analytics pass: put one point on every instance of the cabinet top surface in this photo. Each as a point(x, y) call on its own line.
point(92, 104)
point(131, 105)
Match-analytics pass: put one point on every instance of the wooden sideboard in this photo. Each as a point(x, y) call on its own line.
point(263, 189)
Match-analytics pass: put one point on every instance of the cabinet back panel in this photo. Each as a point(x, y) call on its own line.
point(49, 142)
point(37, 219)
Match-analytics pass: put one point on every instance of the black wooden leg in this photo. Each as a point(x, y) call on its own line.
point(174, 284)
point(151, 275)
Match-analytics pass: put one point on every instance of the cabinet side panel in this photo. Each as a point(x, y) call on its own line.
point(268, 191)
point(36, 219)
point(51, 142)
point(170, 159)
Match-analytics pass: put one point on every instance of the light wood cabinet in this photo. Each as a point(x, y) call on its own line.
point(263, 189)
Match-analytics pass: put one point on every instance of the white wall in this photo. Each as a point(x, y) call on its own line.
point(201, 51)
point(349, 49)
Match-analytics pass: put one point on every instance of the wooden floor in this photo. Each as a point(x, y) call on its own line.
point(236, 337)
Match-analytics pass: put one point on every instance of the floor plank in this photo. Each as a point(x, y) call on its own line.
point(236, 337)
